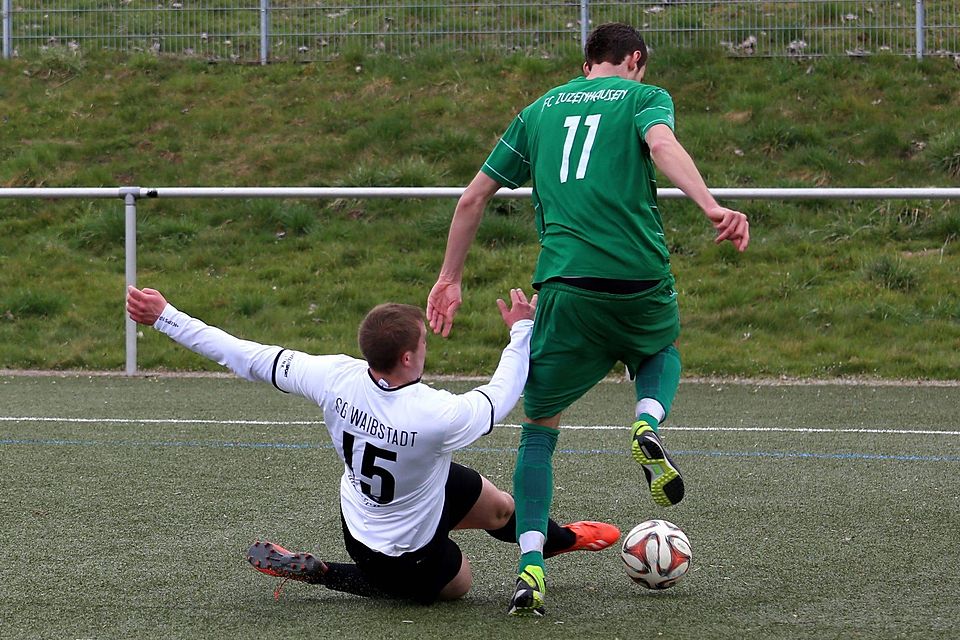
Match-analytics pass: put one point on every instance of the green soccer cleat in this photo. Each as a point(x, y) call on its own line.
point(528, 598)
point(663, 475)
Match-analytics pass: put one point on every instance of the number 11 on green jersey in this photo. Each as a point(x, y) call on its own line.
point(572, 124)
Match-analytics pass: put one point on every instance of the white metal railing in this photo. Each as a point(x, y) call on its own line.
point(130, 195)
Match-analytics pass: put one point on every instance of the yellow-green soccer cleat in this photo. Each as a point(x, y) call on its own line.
point(663, 475)
point(528, 598)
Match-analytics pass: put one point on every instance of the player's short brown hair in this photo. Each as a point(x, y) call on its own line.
point(612, 42)
point(387, 332)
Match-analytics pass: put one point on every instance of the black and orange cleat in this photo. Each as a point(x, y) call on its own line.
point(591, 536)
point(273, 560)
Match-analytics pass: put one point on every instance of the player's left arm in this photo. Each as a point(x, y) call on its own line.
point(474, 413)
point(675, 163)
point(509, 378)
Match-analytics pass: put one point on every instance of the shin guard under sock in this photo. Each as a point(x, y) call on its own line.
point(533, 483)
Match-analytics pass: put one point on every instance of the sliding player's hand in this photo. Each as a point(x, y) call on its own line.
point(519, 308)
point(145, 305)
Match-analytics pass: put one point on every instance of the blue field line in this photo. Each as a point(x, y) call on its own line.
point(199, 444)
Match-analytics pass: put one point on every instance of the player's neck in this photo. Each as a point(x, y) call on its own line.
point(393, 379)
point(610, 70)
point(596, 74)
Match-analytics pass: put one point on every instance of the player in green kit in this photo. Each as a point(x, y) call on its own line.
point(590, 148)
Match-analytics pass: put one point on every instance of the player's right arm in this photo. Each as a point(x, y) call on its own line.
point(249, 360)
point(507, 166)
point(445, 297)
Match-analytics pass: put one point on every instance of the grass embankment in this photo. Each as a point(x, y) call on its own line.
point(827, 288)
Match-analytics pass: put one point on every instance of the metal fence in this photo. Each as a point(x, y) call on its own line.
point(271, 30)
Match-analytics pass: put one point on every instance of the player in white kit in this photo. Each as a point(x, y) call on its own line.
point(401, 493)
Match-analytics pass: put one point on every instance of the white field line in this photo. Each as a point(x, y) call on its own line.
point(779, 381)
point(157, 421)
point(668, 428)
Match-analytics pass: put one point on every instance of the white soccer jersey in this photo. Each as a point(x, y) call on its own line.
point(396, 444)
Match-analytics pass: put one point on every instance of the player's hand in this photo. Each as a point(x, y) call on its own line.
point(442, 305)
point(519, 308)
point(730, 225)
point(145, 305)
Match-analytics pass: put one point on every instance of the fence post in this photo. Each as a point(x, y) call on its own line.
point(7, 31)
point(920, 27)
point(584, 22)
point(264, 30)
point(130, 220)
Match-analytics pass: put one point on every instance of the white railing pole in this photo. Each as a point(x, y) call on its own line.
point(130, 195)
point(802, 193)
point(130, 221)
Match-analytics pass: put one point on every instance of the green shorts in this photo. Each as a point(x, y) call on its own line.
point(579, 335)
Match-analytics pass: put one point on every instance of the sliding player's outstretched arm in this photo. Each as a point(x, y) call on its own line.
point(507, 382)
point(477, 411)
point(249, 360)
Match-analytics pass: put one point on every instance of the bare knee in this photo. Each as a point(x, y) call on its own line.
point(503, 510)
point(491, 511)
point(461, 583)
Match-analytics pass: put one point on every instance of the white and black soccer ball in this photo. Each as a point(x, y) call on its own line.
point(656, 554)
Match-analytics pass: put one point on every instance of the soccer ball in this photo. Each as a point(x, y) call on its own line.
point(656, 554)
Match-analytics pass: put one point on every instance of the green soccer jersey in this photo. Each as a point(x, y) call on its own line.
point(594, 186)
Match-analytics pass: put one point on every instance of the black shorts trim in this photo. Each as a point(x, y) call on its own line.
point(422, 574)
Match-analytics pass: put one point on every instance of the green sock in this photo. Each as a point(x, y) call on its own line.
point(531, 557)
point(658, 377)
point(533, 484)
point(650, 420)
